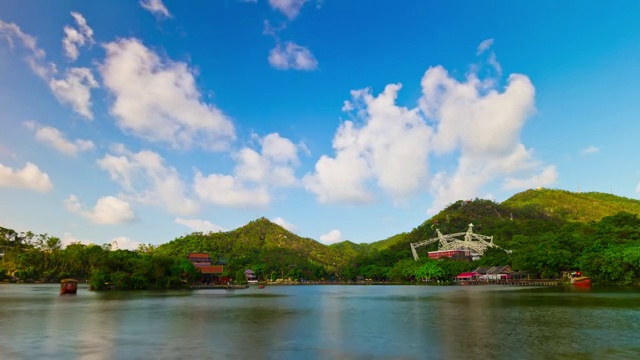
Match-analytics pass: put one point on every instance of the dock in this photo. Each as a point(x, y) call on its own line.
point(218, 286)
point(513, 282)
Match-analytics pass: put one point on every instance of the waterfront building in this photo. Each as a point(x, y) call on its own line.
point(211, 274)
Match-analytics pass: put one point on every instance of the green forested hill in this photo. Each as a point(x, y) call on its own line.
point(548, 231)
point(528, 212)
point(267, 248)
point(582, 207)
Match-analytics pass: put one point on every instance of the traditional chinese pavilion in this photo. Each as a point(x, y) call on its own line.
point(211, 274)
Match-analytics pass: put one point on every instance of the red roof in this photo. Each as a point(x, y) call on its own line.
point(468, 274)
point(198, 256)
point(215, 269)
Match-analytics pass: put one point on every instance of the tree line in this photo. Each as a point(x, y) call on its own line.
point(607, 250)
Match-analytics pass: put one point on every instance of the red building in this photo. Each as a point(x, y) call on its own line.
point(211, 274)
point(449, 253)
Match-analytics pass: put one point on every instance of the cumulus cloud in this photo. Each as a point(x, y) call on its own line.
point(282, 222)
point(145, 178)
point(475, 120)
point(156, 7)
point(158, 100)
point(30, 177)
point(332, 237)
point(74, 88)
point(389, 147)
point(255, 173)
point(290, 8)
point(108, 210)
point(56, 139)
point(590, 150)
point(76, 37)
point(225, 190)
point(483, 124)
point(204, 226)
point(292, 56)
point(273, 165)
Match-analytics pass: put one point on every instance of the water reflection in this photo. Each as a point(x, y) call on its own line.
point(337, 322)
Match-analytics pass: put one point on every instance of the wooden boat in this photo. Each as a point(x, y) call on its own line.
point(68, 286)
point(261, 286)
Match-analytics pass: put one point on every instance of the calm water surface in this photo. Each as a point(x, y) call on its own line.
point(321, 322)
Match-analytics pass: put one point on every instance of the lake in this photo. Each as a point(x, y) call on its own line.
point(321, 322)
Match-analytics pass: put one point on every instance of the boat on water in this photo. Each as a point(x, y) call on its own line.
point(68, 286)
point(261, 286)
point(578, 279)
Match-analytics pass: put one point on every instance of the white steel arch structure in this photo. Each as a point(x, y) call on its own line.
point(475, 242)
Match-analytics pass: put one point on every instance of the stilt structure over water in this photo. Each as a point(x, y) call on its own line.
point(476, 243)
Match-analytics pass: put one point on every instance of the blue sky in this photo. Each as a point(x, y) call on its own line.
point(137, 122)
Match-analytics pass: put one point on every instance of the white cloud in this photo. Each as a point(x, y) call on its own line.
point(124, 243)
point(282, 222)
point(590, 150)
point(56, 139)
point(638, 188)
point(273, 30)
point(35, 58)
point(340, 179)
point(549, 175)
point(390, 146)
point(483, 125)
point(290, 8)
point(484, 46)
point(200, 225)
point(274, 165)
point(225, 190)
point(11, 31)
point(76, 37)
point(29, 177)
point(292, 56)
point(156, 7)
point(75, 89)
point(158, 100)
point(108, 210)
point(255, 173)
point(146, 179)
point(475, 120)
point(332, 237)
point(492, 60)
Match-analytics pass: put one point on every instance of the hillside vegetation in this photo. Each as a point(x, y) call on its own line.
point(267, 248)
point(571, 206)
point(547, 231)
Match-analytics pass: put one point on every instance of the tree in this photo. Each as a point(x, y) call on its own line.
point(429, 270)
point(240, 278)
